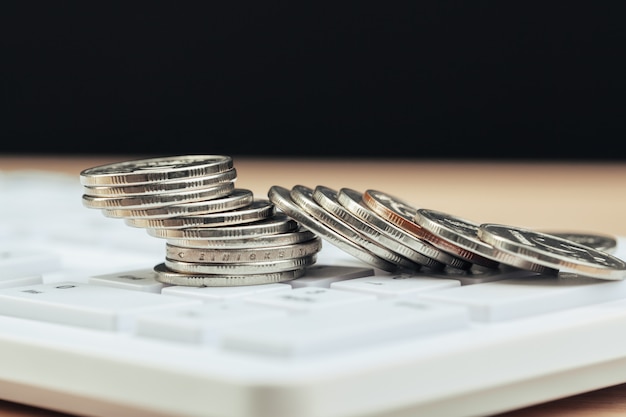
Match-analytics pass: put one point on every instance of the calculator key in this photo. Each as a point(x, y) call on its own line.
point(310, 298)
point(323, 275)
point(399, 285)
point(517, 298)
point(225, 293)
point(27, 263)
point(357, 326)
point(204, 323)
point(136, 280)
point(83, 305)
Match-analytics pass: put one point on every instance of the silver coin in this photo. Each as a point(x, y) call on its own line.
point(402, 214)
point(155, 169)
point(240, 268)
point(168, 276)
point(239, 198)
point(281, 197)
point(597, 241)
point(327, 199)
point(265, 254)
point(552, 251)
point(464, 233)
point(186, 184)
point(278, 223)
point(158, 200)
point(279, 239)
point(258, 210)
point(303, 197)
point(352, 200)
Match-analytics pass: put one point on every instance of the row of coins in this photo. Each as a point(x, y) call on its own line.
point(391, 234)
point(216, 234)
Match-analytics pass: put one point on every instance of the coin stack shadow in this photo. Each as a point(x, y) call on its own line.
point(216, 234)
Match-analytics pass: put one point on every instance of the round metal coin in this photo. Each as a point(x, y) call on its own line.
point(237, 199)
point(258, 210)
point(168, 276)
point(402, 214)
point(464, 233)
point(155, 169)
point(281, 197)
point(278, 223)
point(186, 184)
point(552, 251)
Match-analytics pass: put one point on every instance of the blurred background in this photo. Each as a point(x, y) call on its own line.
point(422, 80)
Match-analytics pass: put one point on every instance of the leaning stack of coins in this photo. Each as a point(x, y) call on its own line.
point(216, 234)
point(391, 234)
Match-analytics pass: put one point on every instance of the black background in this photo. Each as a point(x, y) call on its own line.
point(438, 79)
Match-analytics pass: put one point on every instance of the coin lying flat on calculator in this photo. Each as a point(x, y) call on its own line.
point(552, 251)
point(168, 276)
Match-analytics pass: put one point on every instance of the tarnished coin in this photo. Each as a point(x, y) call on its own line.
point(353, 201)
point(327, 199)
point(155, 169)
point(402, 214)
point(278, 223)
point(243, 268)
point(281, 197)
point(597, 241)
point(168, 276)
point(464, 233)
point(264, 254)
point(237, 199)
point(260, 209)
point(186, 184)
point(158, 200)
point(523, 245)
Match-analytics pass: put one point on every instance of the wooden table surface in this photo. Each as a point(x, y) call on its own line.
point(556, 196)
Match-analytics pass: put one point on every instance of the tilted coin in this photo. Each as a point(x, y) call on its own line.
point(327, 199)
point(464, 233)
point(158, 200)
point(402, 214)
point(552, 251)
point(278, 239)
point(278, 223)
point(240, 268)
point(155, 169)
point(303, 196)
point(264, 254)
point(186, 184)
point(238, 198)
point(168, 276)
point(352, 200)
point(597, 241)
point(281, 197)
point(258, 210)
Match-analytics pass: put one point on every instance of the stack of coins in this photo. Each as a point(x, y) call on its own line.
point(391, 234)
point(216, 234)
